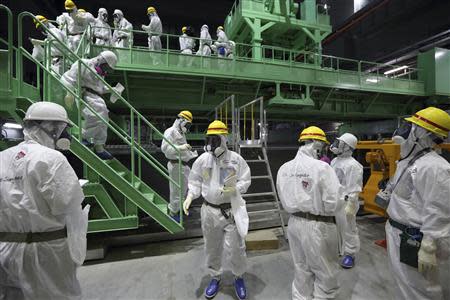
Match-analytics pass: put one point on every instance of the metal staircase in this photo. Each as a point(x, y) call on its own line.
point(262, 200)
point(118, 192)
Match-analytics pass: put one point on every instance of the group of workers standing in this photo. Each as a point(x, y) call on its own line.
point(74, 21)
point(43, 226)
point(323, 201)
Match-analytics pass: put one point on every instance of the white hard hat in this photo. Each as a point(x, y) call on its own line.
point(205, 26)
point(349, 139)
point(110, 58)
point(46, 111)
point(102, 10)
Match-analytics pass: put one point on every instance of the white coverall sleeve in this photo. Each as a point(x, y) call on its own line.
point(434, 189)
point(58, 184)
point(166, 148)
point(196, 179)
point(244, 177)
point(355, 182)
point(330, 190)
point(125, 32)
point(70, 76)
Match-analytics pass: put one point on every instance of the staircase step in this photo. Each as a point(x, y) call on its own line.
point(259, 194)
point(122, 174)
point(162, 207)
point(261, 177)
point(137, 185)
point(149, 196)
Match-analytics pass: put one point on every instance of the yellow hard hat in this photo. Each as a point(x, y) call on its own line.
point(217, 127)
point(184, 29)
point(313, 133)
point(432, 119)
point(82, 10)
point(220, 28)
point(41, 19)
point(69, 5)
point(187, 115)
point(151, 10)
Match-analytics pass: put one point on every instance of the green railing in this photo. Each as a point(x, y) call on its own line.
point(370, 73)
point(132, 139)
point(9, 44)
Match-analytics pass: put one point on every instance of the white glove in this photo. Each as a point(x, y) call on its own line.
point(228, 191)
point(427, 255)
point(351, 208)
point(184, 147)
point(186, 204)
point(69, 100)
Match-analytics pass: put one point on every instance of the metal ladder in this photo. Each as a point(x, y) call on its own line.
point(263, 204)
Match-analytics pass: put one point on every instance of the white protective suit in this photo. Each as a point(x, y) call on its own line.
point(39, 192)
point(56, 50)
point(75, 23)
point(206, 179)
point(187, 45)
point(350, 174)
point(94, 129)
point(102, 31)
point(123, 34)
point(421, 200)
point(222, 42)
point(154, 30)
point(177, 138)
point(205, 42)
point(307, 184)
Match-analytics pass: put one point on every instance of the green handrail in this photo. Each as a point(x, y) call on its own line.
point(133, 112)
point(10, 44)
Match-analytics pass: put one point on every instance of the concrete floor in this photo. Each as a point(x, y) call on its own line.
point(175, 270)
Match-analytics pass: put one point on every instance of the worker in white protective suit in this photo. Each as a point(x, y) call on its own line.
point(42, 225)
point(154, 29)
point(350, 174)
point(205, 42)
point(222, 42)
point(101, 29)
point(176, 135)
point(95, 130)
point(56, 38)
point(418, 231)
point(309, 190)
point(123, 31)
point(187, 46)
point(220, 176)
point(75, 22)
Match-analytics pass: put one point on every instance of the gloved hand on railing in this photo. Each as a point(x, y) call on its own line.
point(69, 100)
point(427, 255)
point(184, 147)
point(186, 204)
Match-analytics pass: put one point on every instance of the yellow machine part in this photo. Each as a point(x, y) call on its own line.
point(382, 158)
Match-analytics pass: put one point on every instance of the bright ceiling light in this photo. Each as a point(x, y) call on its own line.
point(372, 80)
point(395, 70)
point(12, 126)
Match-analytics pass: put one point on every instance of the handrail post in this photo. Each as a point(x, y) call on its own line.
point(10, 44)
point(133, 146)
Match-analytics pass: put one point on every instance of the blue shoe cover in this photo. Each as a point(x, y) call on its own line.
point(348, 262)
point(176, 218)
point(87, 143)
point(212, 288)
point(239, 288)
point(105, 155)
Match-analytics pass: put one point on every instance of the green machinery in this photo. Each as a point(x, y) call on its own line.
point(277, 56)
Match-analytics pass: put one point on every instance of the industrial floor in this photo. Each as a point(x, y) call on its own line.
point(175, 270)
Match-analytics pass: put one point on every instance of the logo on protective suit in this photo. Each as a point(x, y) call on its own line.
point(306, 184)
point(20, 155)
